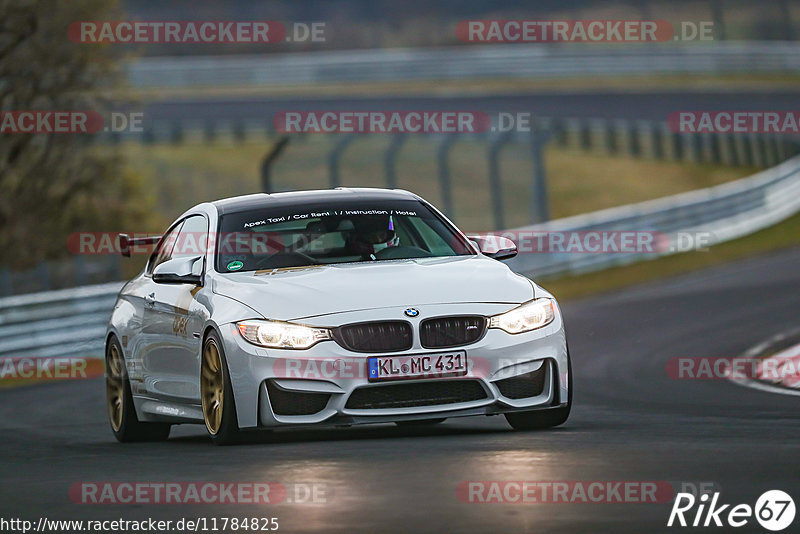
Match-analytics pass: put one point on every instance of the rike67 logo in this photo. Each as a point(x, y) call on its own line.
point(774, 510)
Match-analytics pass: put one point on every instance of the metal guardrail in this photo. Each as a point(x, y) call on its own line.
point(721, 213)
point(76, 271)
point(463, 62)
point(67, 322)
point(72, 321)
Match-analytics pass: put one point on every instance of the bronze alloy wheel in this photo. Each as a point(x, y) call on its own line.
point(212, 386)
point(114, 386)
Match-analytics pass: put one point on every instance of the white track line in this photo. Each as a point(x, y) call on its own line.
point(755, 352)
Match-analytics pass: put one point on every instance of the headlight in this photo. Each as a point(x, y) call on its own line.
point(526, 317)
point(278, 335)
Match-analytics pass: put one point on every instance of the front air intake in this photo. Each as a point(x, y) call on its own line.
point(434, 393)
point(288, 402)
point(523, 386)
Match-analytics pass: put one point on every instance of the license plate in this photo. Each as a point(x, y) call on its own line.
point(417, 366)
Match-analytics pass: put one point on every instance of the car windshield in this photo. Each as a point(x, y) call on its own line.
point(333, 232)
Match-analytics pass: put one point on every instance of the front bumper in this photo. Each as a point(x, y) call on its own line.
point(328, 371)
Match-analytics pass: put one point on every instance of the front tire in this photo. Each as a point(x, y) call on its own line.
point(219, 407)
point(119, 402)
point(547, 418)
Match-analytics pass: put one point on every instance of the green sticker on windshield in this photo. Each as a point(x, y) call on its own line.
point(235, 265)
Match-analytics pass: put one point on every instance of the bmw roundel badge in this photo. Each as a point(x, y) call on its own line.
point(411, 312)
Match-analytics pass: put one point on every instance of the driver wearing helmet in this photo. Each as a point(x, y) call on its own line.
point(372, 234)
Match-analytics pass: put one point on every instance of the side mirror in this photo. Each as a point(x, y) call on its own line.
point(180, 271)
point(495, 246)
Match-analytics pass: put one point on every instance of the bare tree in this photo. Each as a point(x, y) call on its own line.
point(54, 184)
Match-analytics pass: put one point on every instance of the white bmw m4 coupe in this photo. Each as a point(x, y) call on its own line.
point(334, 307)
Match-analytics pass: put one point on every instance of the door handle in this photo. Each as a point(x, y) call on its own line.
point(150, 299)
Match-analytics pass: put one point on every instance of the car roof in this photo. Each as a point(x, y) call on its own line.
point(291, 198)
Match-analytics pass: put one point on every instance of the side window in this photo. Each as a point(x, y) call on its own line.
point(192, 238)
point(163, 251)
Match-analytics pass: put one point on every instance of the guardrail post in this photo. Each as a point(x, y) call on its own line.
point(335, 156)
point(43, 275)
point(780, 148)
point(559, 132)
point(494, 178)
point(727, 149)
point(269, 159)
point(390, 158)
point(79, 270)
point(768, 150)
point(6, 288)
point(719, 22)
point(786, 17)
point(444, 173)
point(644, 136)
point(573, 127)
point(704, 145)
point(611, 141)
point(695, 152)
point(748, 157)
point(792, 147)
point(742, 157)
point(148, 137)
point(771, 142)
point(584, 135)
point(634, 144)
point(209, 131)
point(539, 202)
point(116, 267)
point(176, 133)
point(676, 146)
point(657, 139)
point(715, 148)
point(771, 146)
point(239, 132)
point(757, 148)
point(785, 148)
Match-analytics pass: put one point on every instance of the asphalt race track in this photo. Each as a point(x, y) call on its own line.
point(630, 422)
point(597, 104)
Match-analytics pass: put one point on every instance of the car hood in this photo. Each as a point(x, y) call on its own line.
point(302, 292)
